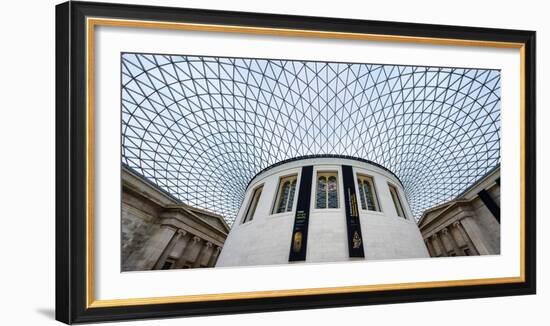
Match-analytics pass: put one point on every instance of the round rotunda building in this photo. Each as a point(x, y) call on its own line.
point(322, 209)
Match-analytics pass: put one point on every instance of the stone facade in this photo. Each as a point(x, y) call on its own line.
point(159, 232)
point(468, 225)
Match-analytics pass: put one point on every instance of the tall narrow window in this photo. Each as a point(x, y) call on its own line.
point(397, 201)
point(253, 204)
point(327, 190)
point(369, 201)
point(285, 194)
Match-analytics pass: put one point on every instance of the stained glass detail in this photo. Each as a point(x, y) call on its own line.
point(285, 196)
point(366, 192)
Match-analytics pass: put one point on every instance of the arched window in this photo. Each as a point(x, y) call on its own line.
point(397, 202)
point(327, 190)
point(285, 194)
point(369, 200)
point(253, 204)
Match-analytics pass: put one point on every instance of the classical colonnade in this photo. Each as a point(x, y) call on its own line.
point(459, 238)
point(175, 248)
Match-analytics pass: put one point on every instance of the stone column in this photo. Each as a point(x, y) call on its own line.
point(431, 249)
point(440, 245)
point(476, 235)
point(214, 257)
point(455, 233)
point(181, 244)
point(465, 237)
point(148, 256)
point(160, 262)
point(449, 236)
point(204, 258)
point(197, 260)
point(445, 241)
point(191, 244)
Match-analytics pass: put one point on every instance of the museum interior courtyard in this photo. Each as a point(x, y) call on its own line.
point(243, 162)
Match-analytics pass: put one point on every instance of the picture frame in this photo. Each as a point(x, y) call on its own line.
point(76, 108)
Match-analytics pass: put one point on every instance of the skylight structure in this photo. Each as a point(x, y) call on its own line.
point(202, 127)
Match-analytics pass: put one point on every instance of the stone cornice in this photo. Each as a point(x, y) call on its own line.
point(135, 184)
point(437, 224)
point(485, 182)
point(185, 211)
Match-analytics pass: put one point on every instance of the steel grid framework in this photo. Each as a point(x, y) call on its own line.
point(202, 127)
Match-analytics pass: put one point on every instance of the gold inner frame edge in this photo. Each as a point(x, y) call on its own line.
point(92, 22)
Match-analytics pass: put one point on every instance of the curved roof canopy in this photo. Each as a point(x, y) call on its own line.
point(202, 127)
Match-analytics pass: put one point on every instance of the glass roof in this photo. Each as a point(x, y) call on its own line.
point(201, 127)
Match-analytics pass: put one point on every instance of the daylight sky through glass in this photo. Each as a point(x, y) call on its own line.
point(202, 127)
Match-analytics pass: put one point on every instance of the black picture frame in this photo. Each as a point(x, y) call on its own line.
point(71, 156)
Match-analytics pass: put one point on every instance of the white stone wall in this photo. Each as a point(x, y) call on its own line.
point(488, 225)
point(266, 239)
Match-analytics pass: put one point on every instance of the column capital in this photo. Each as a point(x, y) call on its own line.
point(209, 244)
point(196, 239)
point(182, 232)
point(214, 256)
point(444, 230)
point(456, 224)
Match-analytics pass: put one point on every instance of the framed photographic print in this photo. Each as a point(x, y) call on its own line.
point(213, 162)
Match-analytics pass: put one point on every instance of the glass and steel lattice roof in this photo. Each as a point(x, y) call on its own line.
point(201, 127)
